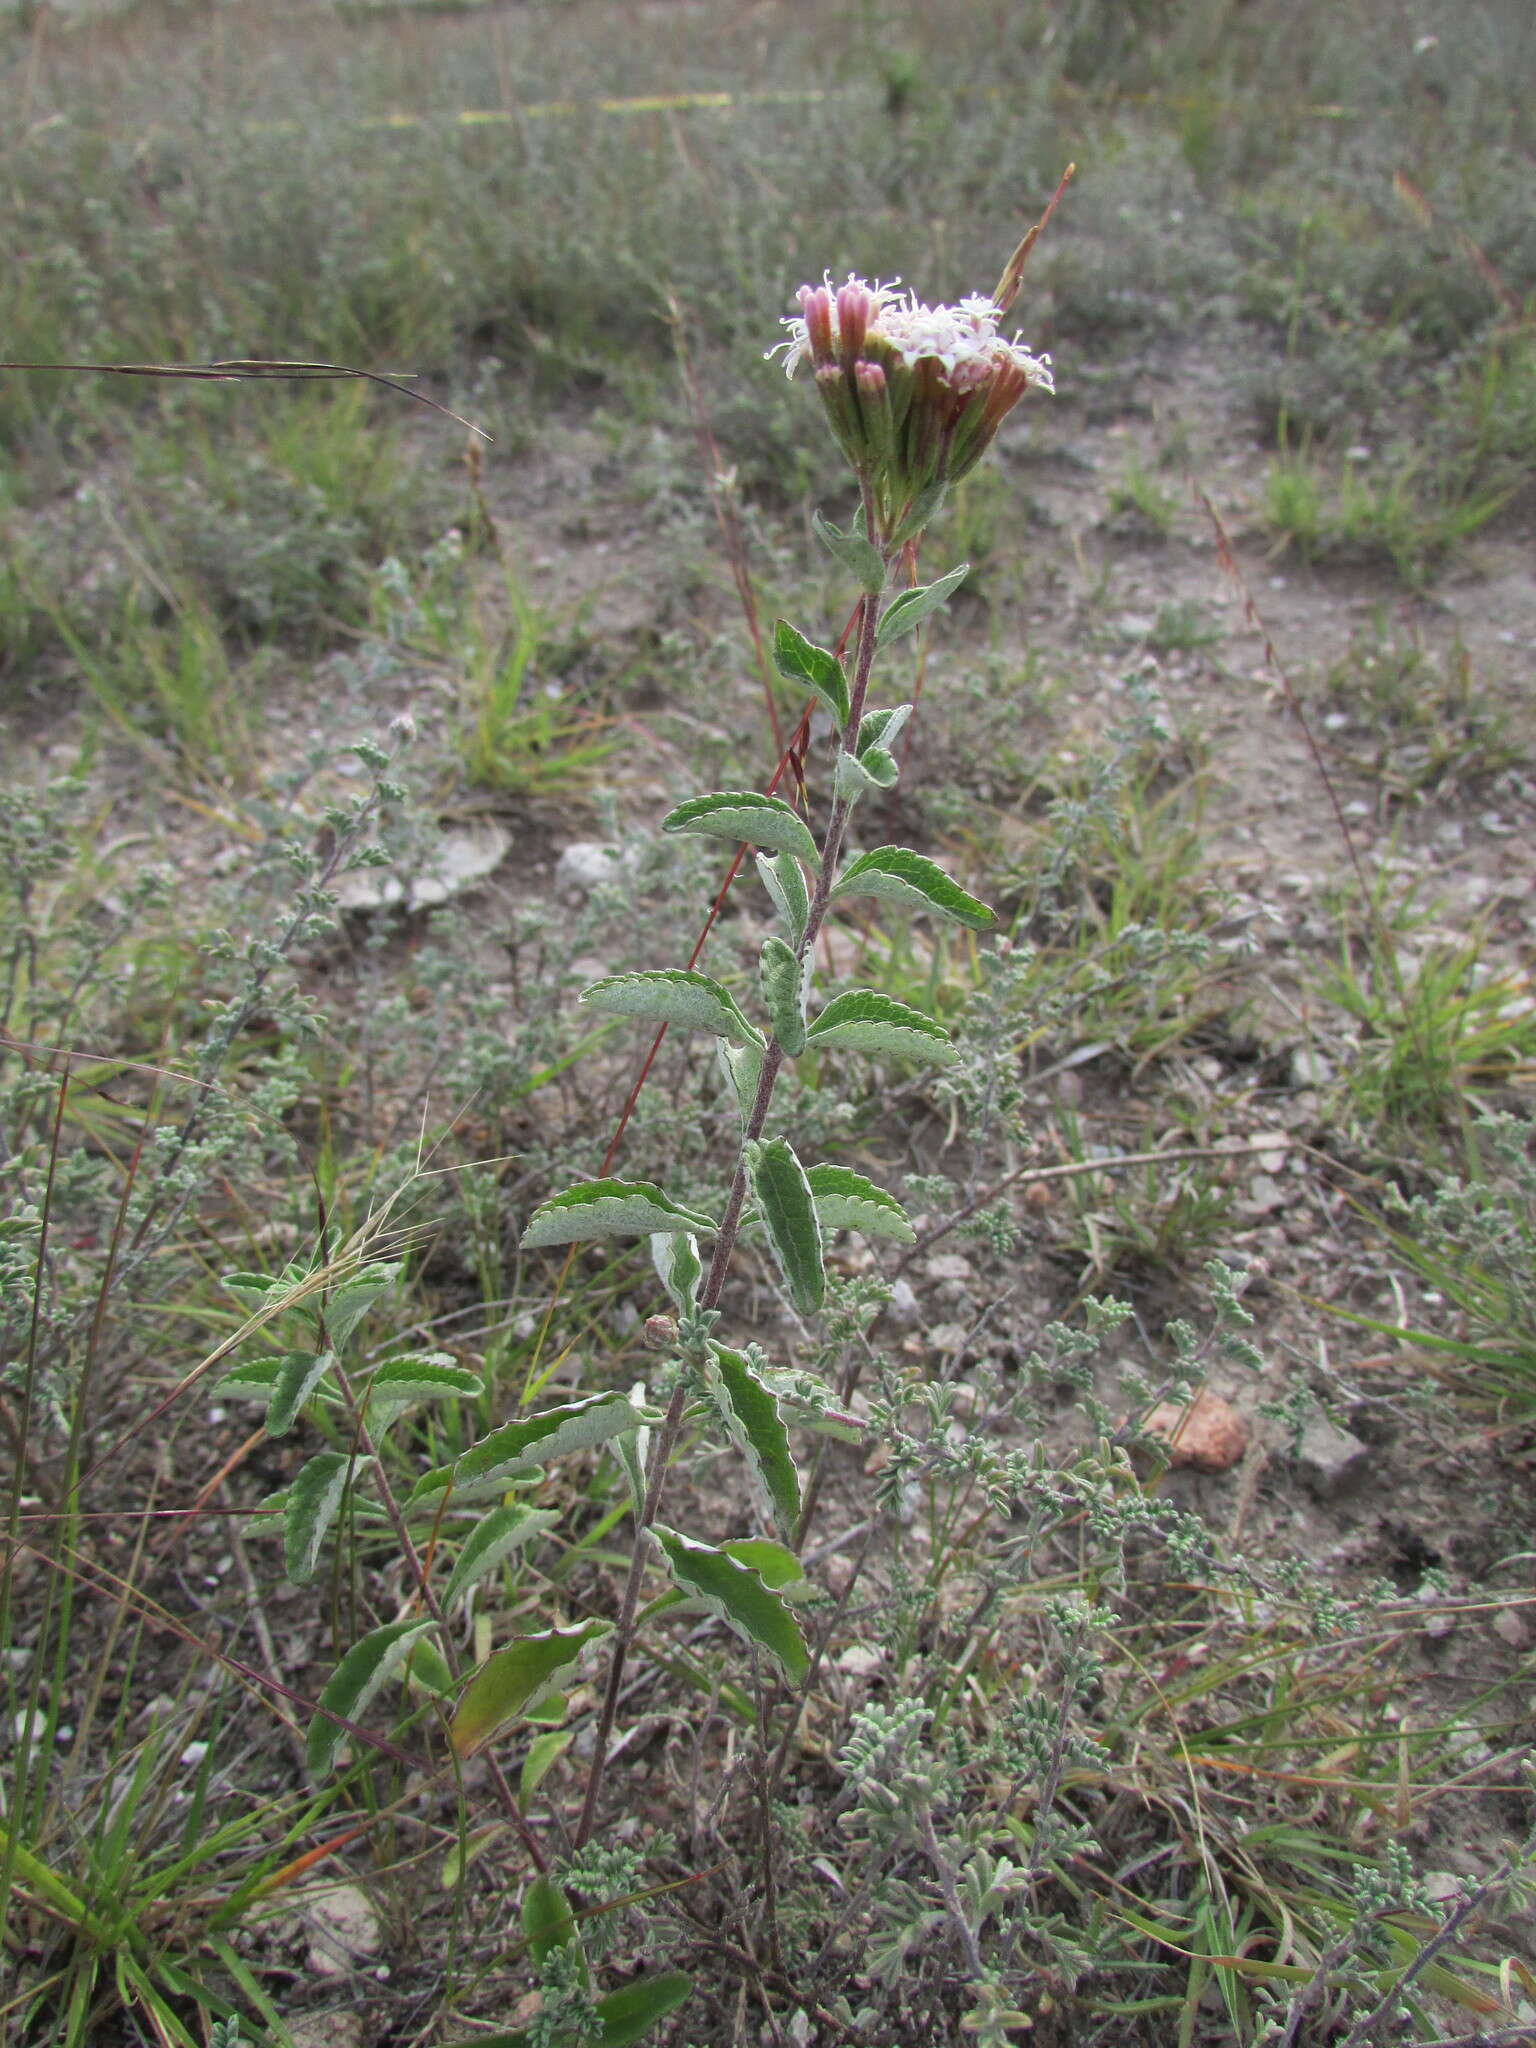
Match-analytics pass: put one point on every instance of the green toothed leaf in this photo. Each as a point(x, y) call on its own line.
point(423, 1376)
point(744, 815)
point(784, 880)
point(517, 1449)
point(311, 1507)
point(675, 1255)
point(851, 551)
point(366, 1668)
point(492, 1541)
point(252, 1288)
point(802, 661)
point(351, 1299)
point(753, 1422)
point(737, 1595)
point(674, 996)
point(416, 1376)
point(783, 1199)
point(744, 1066)
point(630, 1452)
point(774, 1564)
point(882, 728)
point(895, 874)
point(847, 1201)
point(854, 774)
point(911, 607)
point(607, 1208)
point(255, 1379)
point(783, 984)
point(864, 1020)
point(299, 1374)
point(515, 1679)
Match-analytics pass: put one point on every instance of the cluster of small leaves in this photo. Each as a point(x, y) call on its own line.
point(883, 1757)
point(608, 1875)
point(1381, 1888)
point(567, 2014)
point(229, 1133)
point(999, 1018)
point(1033, 1737)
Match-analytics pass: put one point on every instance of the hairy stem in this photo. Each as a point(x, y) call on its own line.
point(725, 1239)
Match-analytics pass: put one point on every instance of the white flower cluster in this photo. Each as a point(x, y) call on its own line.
point(963, 338)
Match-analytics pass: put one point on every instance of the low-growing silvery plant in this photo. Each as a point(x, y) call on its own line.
point(914, 394)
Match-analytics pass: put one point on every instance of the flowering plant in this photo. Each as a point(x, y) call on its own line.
point(914, 394)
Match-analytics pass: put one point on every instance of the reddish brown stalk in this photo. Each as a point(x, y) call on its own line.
point(557, 1292)
point(1013, 270)
point(909, 571)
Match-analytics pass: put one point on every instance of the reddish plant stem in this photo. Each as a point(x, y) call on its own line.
point(725, 1237)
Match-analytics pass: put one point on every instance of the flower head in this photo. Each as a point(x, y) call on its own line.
point(914, 393)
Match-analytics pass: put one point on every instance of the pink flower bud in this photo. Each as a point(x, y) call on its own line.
point(856, 305)
point(816, 311)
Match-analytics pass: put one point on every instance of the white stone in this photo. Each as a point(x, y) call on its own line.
point(343, 1928)
point(462, 856)
point(1329, 1457)
point(1310, 1068)
point(861, 1660)
point(948, 1266)
point(903, 1307)
point(587, 864)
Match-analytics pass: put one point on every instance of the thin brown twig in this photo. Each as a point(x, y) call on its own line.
point(251, 369)
point(96, 1577)
point(429, 1600)
point(1075, 1169)
point(1226, 558)
point(1365, 2027)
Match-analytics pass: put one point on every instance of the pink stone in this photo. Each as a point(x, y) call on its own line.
point(1207, 1436)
